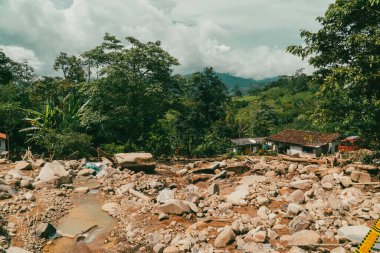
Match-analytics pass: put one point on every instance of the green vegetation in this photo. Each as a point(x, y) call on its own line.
point(124, 96)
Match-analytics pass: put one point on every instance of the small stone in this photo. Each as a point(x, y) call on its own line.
point(111, 208)
point(305, 237)
point(171, 249)
point(338, 250)
point(82, 190)
point(345, 181)
point(226, 237)
point(163, 216)
point(165, 195)
point(30, 196)
point(86, 172)
point(296, 197)
point(158, 248)
point(260, 200)
point(301, 184)
point(45, 230)
point(293, 209)
point(175, 206)
point(213, 189)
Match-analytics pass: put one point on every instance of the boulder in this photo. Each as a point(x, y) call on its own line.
point(213, 189)
point(175, 206)
point(23, 165)
point(300, 222)
point(345, 181)
point(136, 161)
point(54, 173)
point(302, 184)
point(226, 237)
point(351, 195)
point(304, 237)
point(165, 195)
point(171, 249)
point(296, 197)
point(111, 208)
point(17, 250)
point(293, 209)
point(45, 230)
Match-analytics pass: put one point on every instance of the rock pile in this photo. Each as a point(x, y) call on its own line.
point(250, 205)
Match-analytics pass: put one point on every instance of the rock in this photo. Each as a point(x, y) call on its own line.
point(296, 197)
point(351, 195)
point(361, 177)
point(54, 173)
point(345, 181)
point(296, 249)
point(111, 208)
point(24, 183)
point(23, 165)
point(82, 190)
point(163, 216)
point(38, 163)
point(158, 248)
point(355, 233)
point(226, 237)
point(293, 209)
point(45, 230)
point(292, 167)
point(171, 249)
point(301, 184)
point(7, 189)
point(237, 197)
point(213, 189)
point(30, 196)
point(263, 213)
point(86, 172)
point(17, 250)
point(258, 234)
point(260, 200)
point(300, 222)
point(174, 206)
point(124, 188)
point(338, 250)
point(136, 161)
point(305, 237)
point(165, 195)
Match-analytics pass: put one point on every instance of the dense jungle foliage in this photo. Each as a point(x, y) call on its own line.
point(124, 97)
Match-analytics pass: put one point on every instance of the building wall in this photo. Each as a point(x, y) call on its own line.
point(3, 146)
point(292, 150)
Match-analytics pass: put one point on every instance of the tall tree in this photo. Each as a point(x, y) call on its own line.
point(71, 67)
point(346, 55)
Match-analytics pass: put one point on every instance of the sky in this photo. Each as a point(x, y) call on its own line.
point(245, 38)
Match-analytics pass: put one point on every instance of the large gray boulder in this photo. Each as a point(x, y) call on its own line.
point(136, 161)
point(175, 206)
point(53, 174)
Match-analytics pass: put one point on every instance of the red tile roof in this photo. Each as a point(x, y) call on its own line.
point(303, 138)
point(3, 136)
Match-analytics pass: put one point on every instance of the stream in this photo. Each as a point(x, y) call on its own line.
point(86, 213)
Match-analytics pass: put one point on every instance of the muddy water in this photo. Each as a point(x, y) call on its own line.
point(86, 213)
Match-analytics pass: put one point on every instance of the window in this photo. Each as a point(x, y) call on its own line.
point(307, 150)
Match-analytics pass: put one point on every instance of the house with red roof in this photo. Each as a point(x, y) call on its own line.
point(304, 143)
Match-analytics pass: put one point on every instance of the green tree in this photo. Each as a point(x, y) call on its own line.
point(71, 67)
point(346, 55)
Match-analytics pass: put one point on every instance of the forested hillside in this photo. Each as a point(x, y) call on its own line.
point(123, 95)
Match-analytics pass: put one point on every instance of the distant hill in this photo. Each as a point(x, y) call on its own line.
point(243, 83)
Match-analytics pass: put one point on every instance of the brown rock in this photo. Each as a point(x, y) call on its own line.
point(226, 237)
point(305, 237)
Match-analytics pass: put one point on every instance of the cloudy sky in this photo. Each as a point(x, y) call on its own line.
point(246, 38)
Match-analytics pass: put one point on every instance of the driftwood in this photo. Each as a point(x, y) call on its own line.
point(139, 195)
point(363, 166)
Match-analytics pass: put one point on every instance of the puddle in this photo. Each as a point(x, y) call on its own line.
point(86, 213)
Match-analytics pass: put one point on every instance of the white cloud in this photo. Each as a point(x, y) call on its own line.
point(20, 54)
point(243, 37)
